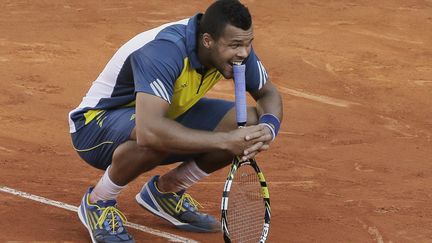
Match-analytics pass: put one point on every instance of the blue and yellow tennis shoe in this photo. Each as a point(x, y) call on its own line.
point(178, 208)
point(103, 220)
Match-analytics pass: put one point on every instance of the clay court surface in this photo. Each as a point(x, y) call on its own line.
point(352, 162)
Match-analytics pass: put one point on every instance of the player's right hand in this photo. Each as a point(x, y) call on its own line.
point(249, 139)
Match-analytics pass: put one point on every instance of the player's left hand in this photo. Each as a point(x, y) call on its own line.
point(262, 140)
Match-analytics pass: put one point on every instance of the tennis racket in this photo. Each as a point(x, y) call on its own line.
point(245, 203)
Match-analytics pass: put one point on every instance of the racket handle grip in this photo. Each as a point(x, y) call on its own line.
point(240, 94)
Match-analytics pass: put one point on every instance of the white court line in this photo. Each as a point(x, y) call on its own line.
point(169, 236)
point(318, 98)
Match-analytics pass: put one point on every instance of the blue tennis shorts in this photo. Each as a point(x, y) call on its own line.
point(96, 141)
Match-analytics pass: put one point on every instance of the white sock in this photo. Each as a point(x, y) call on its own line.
point(105, 189)
point(182, 177)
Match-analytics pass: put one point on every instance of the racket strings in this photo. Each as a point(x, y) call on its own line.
point(246, 207)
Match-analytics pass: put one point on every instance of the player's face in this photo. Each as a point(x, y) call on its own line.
point(234, 45)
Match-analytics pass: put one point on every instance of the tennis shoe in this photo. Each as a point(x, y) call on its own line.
point(103, 220)
point(178, 208)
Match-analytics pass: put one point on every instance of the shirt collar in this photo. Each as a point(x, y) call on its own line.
point(191, 41)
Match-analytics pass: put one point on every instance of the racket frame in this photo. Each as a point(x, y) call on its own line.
point(236, 164)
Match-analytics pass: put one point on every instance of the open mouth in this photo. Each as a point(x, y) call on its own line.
point(236, 63)
point(231, 65)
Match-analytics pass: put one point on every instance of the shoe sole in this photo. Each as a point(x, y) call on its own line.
point(169, 218)
point(84, 222)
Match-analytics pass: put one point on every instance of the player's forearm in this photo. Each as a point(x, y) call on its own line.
point(270, 108)
point(270, 101)
point(170, 136)
point(272, 105)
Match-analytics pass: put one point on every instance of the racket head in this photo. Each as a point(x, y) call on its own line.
point(245, 204)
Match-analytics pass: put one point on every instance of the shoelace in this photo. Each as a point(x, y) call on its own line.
point(189, 198)
point(113, 221)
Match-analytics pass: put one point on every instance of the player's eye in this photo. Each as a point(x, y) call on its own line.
point(235, 46)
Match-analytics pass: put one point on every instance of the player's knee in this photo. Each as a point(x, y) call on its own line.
point(229, 120)
point(138, 156)
point(146, 155)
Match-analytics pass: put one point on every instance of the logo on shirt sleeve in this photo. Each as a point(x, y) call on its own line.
point(263, 74)
point(159, 90)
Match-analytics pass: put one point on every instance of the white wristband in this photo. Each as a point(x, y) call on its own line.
point(271, 129)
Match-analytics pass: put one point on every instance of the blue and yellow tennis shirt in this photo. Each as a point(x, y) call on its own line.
point(162, 62)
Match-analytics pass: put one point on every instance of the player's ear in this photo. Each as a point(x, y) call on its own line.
point(207, 40)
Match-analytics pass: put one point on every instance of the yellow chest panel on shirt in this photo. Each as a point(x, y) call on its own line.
point(190, 87)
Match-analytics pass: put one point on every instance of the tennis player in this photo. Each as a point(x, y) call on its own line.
point(147, 108)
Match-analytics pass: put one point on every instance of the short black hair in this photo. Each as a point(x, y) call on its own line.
point(223, 12)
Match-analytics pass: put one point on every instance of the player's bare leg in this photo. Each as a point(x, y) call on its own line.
point(131, 160)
